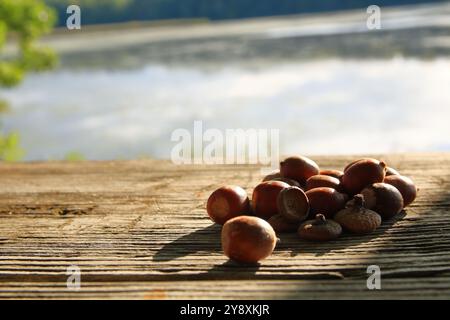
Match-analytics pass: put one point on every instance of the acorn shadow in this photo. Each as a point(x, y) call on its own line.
point(206, 239)
point(232, 270)
point(291, 242)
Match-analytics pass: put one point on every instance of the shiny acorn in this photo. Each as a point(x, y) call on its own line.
point(406, 187)
point(273, 175)
point(332, 173)
point(320, 180)
point(357, 160)
point(384, 199)
point(264, 199)
point(326, 201)
point(248, 239)
point(391, 172)
point(362, 173)
point(298, 168)
point(227, 202)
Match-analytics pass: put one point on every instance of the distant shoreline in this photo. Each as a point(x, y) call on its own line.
point(130, 25)
point(122, 35)
point(138, 24)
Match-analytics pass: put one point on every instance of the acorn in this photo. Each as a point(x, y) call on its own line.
point(383, 198)
point(227, 202)
point(391, 172)
point(356, 218)
point(290, 182)
point(293, 204)
point(248, 239)
point(276, 176)
point(406, 187)
point(319, 181)
point(326, 201)
point(355, 161)
point(361, 174)
point(273, 175)
point(282, 225)
point(319, 229)
point(298, 168)
point(332, 173)
point(264, 199)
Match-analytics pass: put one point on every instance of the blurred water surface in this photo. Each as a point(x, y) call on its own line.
point(328, 84)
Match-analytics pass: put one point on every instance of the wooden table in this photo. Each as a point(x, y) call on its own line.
point(138, 229)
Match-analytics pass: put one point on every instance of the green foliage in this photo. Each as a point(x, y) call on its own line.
point(74, 156)
point(38, 59)
point(23, 21)
point(28, 18)
point(9, 147)
point(10, 74)
point(2, 33)
point(4, 106)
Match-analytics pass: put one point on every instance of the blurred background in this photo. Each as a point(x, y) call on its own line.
point(137, 70)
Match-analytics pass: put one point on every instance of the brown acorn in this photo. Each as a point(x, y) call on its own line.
point(384, 199)
point(361, 174)
point(355, 161)
point(356, 218)
point(319, 181)
point(319, 229)
point(290, 182)
point(282, 225)
point(248, 239)
point(298, 168)
point(227, 202)
point(332, 173)
point(406, 187)
point(276, 176)
point(273, 175)
point(293, 204)
point(264, 199)
point(326, 201)
point(391, 172)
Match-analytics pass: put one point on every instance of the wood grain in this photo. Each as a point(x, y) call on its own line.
point(138, 229)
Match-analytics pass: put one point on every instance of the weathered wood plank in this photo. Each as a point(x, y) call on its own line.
point(134, 227)
point(405, 288)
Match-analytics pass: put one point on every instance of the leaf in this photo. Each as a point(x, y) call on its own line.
point(27, 20)
point(11, 74)
point(9, 147)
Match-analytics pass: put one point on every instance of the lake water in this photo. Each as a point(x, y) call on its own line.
point(328, 89)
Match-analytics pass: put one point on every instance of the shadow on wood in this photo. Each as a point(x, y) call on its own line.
point(234, 270)
point(202, 240)
point(298, 246)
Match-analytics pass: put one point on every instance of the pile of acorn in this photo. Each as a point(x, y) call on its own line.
point(357, 200)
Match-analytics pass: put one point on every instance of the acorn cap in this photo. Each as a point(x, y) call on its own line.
point(356, 218)
point(319, 229)
point(293, 204)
